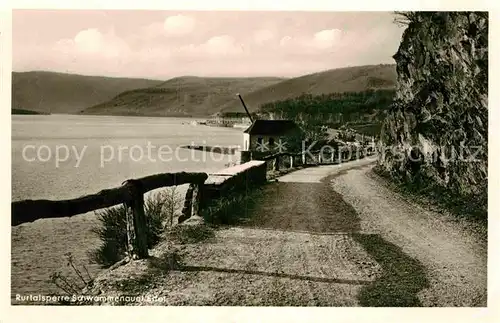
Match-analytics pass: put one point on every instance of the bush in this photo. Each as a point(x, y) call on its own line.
point(160, 209)
point(70, 285)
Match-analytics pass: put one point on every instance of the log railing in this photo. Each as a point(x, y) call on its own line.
point(131, 194)
point(289, 160)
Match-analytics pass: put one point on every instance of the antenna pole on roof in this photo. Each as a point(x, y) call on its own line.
point(242, 102)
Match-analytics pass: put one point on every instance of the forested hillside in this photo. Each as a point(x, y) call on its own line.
point(363, 111)
point(339, 80)
point(181, 96)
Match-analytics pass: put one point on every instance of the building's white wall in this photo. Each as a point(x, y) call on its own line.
point(246, 141)
point(222, 120)
point(265, 139)
point(250, 141)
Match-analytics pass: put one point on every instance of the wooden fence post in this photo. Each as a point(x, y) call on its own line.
point(187, 209)
point(129, 217)
point(291, 161)
point(319, 158)
point(277, 163)
point(195, 205)
point(303, 158)
point(136, 204)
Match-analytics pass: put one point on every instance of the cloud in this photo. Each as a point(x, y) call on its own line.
point(216, 46)
point(172, 43)
point(89, 40)
point(263, 36)
point(327, 38)
point(171, 27)
point(222, 45)
point(93, 42)
point(179, 25)
point(316, 43)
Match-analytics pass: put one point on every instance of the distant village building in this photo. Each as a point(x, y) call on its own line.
point(229, 119)
point(269, 135)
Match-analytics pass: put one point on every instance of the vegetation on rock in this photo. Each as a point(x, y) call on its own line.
point(436, 130)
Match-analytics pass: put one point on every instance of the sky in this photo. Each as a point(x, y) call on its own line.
point(167, 44)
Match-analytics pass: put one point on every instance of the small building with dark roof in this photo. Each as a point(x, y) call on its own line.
point(269, 135)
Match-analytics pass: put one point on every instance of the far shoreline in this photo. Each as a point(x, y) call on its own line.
point(30, 112)
point(27, 112)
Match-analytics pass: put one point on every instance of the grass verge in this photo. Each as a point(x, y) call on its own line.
point(137, 285)
point(188, 234)
point(471, 209)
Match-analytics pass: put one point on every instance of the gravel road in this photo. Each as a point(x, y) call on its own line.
point(454, 258)
point(324, 236)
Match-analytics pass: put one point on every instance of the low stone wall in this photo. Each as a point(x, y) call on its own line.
point(239, 177)
point(222, 183)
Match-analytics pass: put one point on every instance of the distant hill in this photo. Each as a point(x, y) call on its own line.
point(22, 111)
point(349, 79)
point(182, 96)
point(49, 92)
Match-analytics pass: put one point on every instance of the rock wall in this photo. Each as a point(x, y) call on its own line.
point(437, 127)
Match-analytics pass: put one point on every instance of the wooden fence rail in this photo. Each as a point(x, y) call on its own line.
point(131, 193)
point(289, 160)
point(31, 210)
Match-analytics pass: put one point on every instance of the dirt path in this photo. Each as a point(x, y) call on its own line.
point(454, 260)
point(325, 236)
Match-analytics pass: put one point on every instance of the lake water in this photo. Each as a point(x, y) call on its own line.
point(66, 156)
point(109, 150)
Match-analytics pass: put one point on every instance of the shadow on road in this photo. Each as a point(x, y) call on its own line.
point(402, 278)
point(308, 207)
point(311, 206)
point(275, 274)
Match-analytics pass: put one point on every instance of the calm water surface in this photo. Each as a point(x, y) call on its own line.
point(109, 149)
point(93, 163)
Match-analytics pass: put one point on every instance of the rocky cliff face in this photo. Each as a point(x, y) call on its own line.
point(437, 127)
